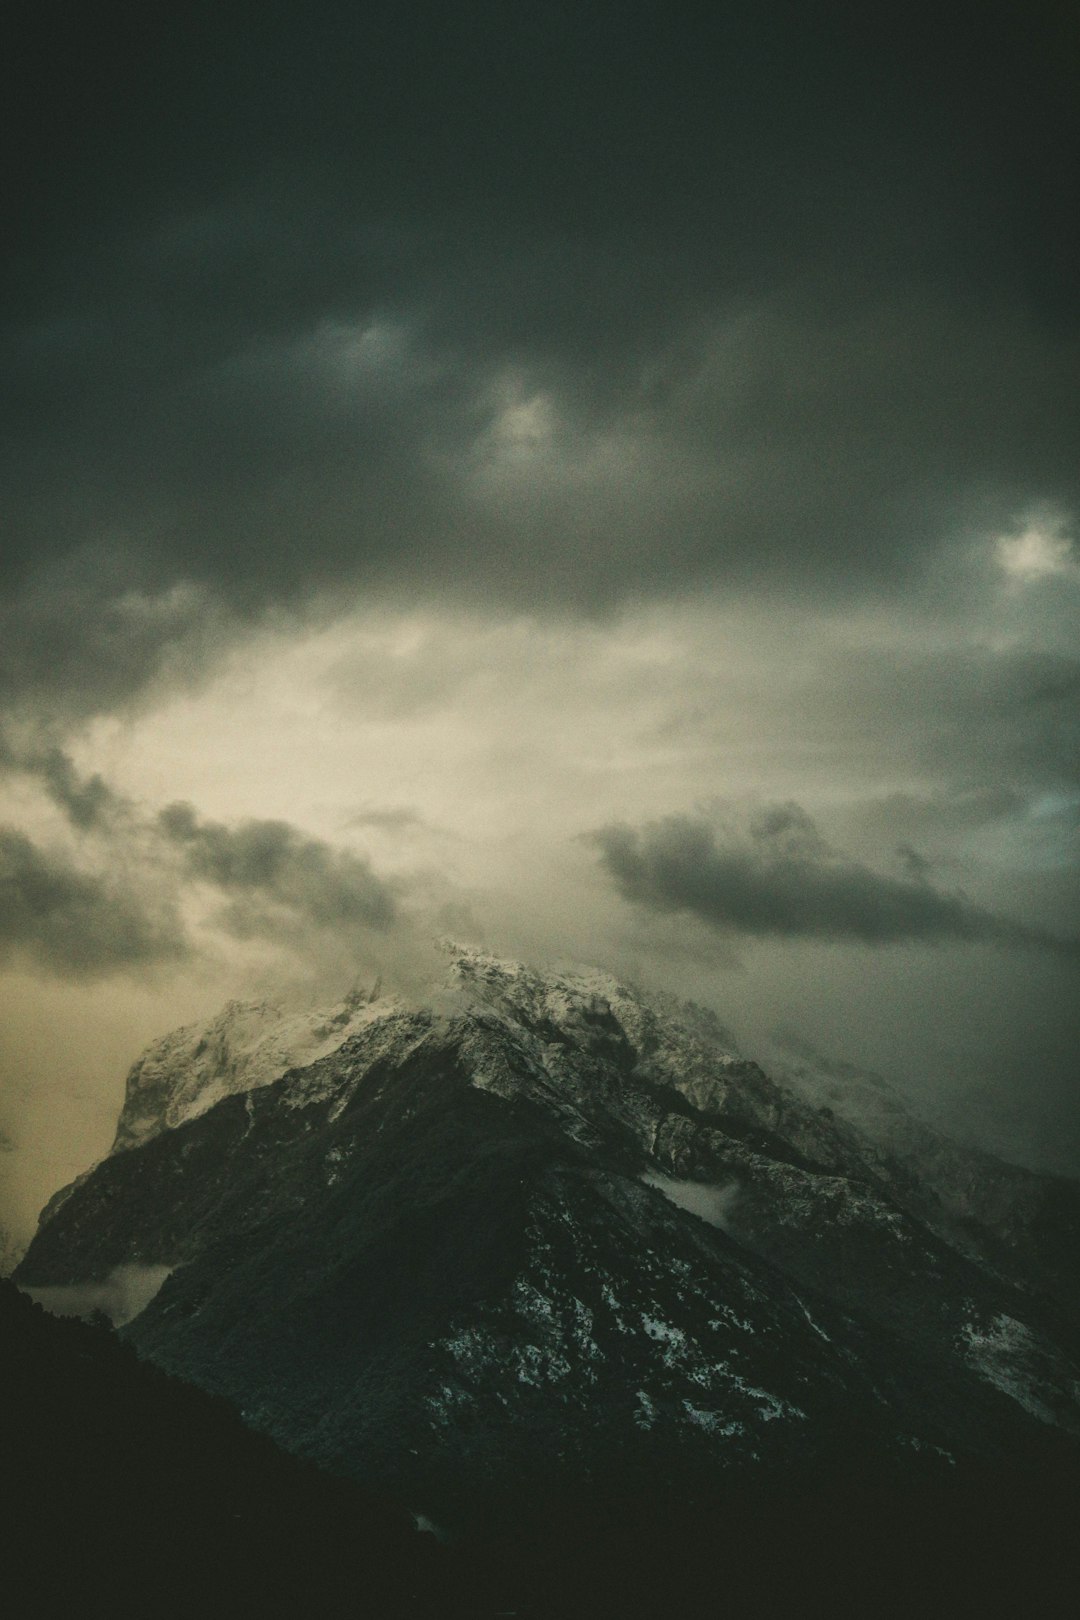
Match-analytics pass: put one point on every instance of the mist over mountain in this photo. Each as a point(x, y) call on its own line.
point(555, 1265)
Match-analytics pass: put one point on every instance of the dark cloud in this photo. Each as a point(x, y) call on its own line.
point(916, 866)
point(978, 730)
point(789, 280)
point(273, 875)
point(91, 629)
point(782, 880)
point(75, 924)
point(88, 802)
point(778, 450)
point(78, 923)
point(577, 120)
point(1006, 719)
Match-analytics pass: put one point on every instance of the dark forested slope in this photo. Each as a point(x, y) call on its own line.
point(129, 1492)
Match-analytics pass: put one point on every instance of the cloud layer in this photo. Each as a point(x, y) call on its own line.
point(557, 310)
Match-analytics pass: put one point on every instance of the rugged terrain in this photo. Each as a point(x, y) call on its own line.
point(549, 1245)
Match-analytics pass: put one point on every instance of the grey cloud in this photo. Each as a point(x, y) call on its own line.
point(1021, 849)
point(794, 329)
point(88, 801)
point(787, 830)
point(832, 451)
point(271, 873)
point(985, 727)
point(1009, 718)
point(782, 881)
point(735, 127)
point(1016, 713)
point(914, 815)
point(87, 631)
point(80, 923)
point(76, 924)
point(121, 1295)
point(916, 866)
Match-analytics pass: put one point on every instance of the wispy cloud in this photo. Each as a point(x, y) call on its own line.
point(85, 799)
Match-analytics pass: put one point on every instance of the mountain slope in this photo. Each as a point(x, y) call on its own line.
point(557, 1238)
point(128, 1492)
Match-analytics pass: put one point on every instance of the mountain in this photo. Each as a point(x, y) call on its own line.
point(552, 1262)
point(248, 1044)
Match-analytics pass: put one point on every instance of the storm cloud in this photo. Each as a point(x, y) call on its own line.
point(75, 923)
point(783, 880)
point(564, 309)
point(272, 872)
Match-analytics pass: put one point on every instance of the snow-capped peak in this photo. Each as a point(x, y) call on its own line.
point(248, 1044)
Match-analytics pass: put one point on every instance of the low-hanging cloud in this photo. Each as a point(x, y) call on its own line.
point(780, 878)
point(121, 1296)
point(79, 924)
point(267, 868)
point(115, 902)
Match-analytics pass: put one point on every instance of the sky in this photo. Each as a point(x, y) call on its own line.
point(599, 483)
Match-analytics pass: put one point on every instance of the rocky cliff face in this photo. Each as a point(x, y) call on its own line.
point(554, 1233)
point(248, 1044)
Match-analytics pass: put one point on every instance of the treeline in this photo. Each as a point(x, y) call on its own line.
point(128, 1492)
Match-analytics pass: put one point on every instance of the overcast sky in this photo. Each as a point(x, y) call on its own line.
point(596, 481)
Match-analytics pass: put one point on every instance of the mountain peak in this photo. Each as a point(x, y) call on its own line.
point(251, 1043)
point(246, 1045)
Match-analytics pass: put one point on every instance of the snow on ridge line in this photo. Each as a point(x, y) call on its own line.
point(250, 1044)
point(247, 1045)
point(546, 1012)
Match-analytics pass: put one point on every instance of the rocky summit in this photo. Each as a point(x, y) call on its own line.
point(551, 1240)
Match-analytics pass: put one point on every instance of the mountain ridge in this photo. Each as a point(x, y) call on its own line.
point(459, 1254)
